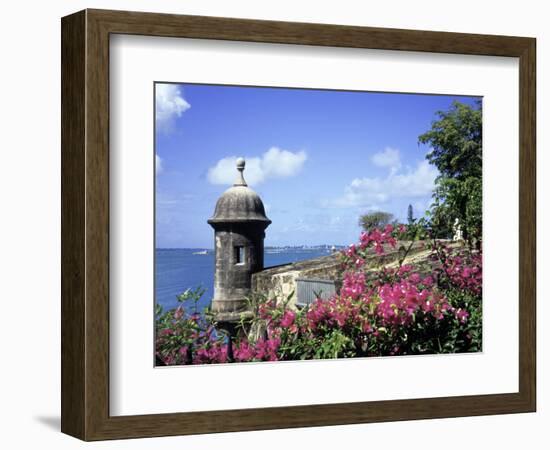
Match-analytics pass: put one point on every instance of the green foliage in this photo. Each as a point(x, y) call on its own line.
point(466, 337)
point(179, 333)
point(456, 142)
point(191, 294)
point(375, 219)
point(417, 230)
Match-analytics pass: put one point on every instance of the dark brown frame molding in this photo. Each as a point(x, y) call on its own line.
point(85, 224)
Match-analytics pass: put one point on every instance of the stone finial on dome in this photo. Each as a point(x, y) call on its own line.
point(240, 178)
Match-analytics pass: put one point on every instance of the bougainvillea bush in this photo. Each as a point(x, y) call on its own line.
point(433, 306)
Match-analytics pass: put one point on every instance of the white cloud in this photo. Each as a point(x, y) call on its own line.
point(389, 158)
point(275, 163)
point(169, 104)
point(158, 164)
point(373, 192)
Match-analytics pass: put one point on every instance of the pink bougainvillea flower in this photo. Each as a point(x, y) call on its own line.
point(288, 318)
point(378, 311)
point(462, 315)
point(414, 278)
point(428, 281)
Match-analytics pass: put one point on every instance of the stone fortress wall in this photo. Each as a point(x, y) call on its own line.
point(281, 281)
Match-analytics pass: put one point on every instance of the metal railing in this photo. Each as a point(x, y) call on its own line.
point(310, 289)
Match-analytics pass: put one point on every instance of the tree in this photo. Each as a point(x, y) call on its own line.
point(410, 217)
point(375, 219)
point(456, 150)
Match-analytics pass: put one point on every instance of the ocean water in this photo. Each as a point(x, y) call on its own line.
point(179, 269)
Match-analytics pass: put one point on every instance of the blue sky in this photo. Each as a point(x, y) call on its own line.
point(318, 158)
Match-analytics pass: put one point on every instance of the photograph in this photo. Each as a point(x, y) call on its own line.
point(334, 215)
point(296, 224)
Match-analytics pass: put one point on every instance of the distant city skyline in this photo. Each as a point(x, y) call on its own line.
point(318, 158)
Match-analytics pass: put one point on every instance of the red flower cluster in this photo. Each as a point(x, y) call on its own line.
point(388, 311)
point(261, 350)
point(461, 269)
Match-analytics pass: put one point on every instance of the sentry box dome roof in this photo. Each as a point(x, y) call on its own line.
point(239, 203)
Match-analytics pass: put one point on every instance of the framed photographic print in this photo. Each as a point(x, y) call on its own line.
point(268, 224)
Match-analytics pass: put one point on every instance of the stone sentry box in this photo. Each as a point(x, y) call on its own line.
point(239, 223)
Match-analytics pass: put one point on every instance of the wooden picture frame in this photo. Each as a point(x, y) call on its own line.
point(85, 224)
